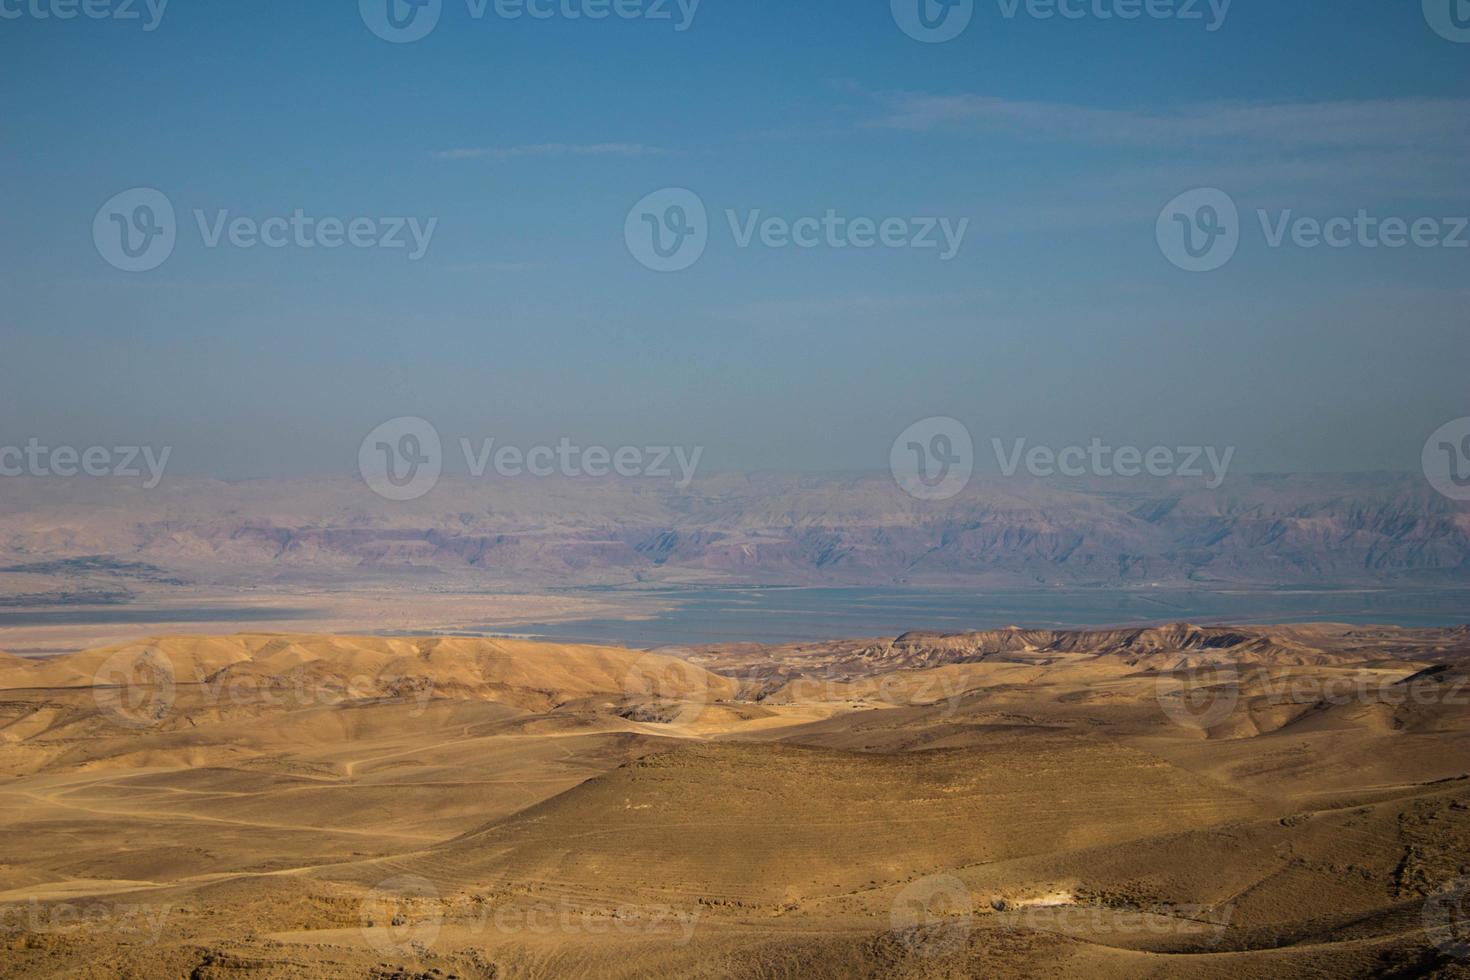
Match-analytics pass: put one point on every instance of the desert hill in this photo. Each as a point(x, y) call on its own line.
point(1169, 801)
point(1179, 641)
point(1147, 650)
point(628, 833)
point(218, 670)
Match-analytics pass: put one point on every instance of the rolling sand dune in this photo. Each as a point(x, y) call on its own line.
point(1174, 801)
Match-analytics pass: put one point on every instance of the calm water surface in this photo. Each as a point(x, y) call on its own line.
point(786, 615)
point(107, 615)
point(783, 615)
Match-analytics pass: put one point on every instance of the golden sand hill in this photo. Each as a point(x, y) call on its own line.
point(220, 670)
point(1180, 801)
point(458, 663)
point(778, 825)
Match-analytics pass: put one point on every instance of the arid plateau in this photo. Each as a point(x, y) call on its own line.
point(1170, 801)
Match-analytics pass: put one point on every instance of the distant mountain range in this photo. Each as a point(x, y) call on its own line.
point(1369, 529)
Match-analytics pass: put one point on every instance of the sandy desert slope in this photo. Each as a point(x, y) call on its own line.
point(1175, 801)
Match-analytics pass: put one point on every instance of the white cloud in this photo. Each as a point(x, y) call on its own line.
point(550, 150)
point(1365, 123)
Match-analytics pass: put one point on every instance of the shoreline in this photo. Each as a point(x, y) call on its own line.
point(700, 615)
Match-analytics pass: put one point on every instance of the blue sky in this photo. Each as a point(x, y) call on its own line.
point(527, 318)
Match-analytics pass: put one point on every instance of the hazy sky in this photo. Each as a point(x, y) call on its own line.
point(527, 318)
